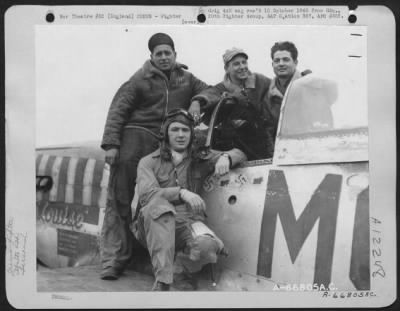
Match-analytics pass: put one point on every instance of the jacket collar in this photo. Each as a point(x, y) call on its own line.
point(150, 70)
point(273, 89)
point(156, 154)
point(164, 152)
point(250, 83)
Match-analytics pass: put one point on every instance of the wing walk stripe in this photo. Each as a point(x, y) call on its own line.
point(48, 172)
point(43, 163)
point(98, 173)
point(96, 189)
point(95, 196)
point(88, 182)
point(104, 187)
point(38, 159)
point(55, 173)
point(78, 184)
point(41, 168)
point(62, 181)
point(49, 166)
point(69, 188)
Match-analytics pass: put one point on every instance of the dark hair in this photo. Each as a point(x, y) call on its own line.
point(285, 46)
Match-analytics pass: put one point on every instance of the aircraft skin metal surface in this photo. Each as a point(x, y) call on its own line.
point(294, 224)
point(346, 145)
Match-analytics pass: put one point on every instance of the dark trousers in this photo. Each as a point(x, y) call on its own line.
point(116, 236)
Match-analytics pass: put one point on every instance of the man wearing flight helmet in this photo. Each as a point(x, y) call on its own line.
point(131, 132)
point(169, 180)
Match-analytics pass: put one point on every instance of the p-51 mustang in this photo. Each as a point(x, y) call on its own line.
point(301, 219)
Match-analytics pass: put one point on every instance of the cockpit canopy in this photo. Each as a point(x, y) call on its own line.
point(322, 121)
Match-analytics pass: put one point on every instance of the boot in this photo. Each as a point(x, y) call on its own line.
point(160, 287)
point(111, 273)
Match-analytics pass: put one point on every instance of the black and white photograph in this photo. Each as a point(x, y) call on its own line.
point(201, 159)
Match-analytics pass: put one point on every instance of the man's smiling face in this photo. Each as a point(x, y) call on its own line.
point(283, 64)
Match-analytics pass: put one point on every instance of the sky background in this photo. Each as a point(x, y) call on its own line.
point(79, 68)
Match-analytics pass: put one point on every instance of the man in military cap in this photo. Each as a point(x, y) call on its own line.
point(244, 119)
point(132, 131)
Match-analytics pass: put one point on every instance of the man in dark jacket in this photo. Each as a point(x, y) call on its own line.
point(131, 132)
point(244, 117)
point(172, 214)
